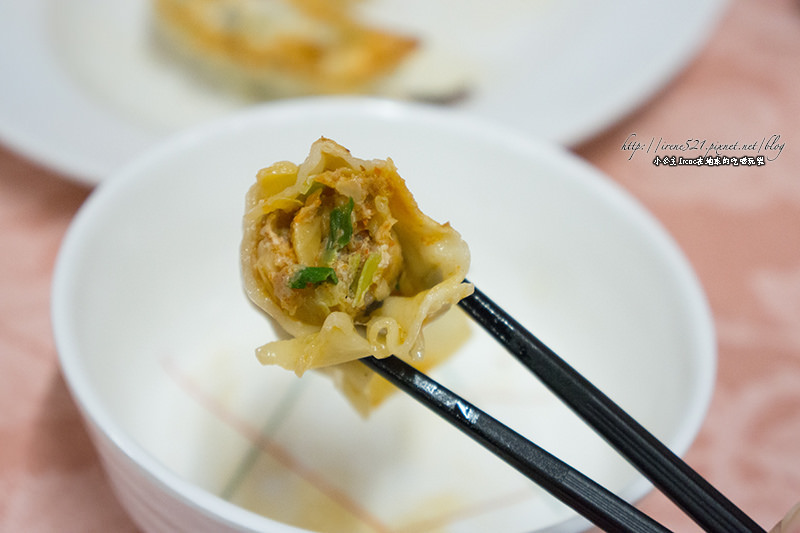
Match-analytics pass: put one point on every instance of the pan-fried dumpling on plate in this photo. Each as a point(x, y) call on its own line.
point(337, 251)
point(279, 48)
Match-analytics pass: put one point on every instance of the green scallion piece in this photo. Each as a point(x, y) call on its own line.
point(313, 276)
point(341, 230)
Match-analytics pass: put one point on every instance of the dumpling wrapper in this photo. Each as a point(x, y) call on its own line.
point(417, 269)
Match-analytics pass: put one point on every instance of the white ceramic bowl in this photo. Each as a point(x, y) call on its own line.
point(156, 336)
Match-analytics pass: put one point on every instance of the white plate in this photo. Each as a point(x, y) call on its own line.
point(83, 90)
point(156, 337)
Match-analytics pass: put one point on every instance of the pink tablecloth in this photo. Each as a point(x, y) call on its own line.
point(738, 225)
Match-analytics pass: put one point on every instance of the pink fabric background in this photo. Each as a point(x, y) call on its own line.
point(740, 228)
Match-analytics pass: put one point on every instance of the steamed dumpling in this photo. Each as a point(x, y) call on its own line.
point(337, 251)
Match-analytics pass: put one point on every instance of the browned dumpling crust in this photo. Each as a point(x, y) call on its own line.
point(279, 48)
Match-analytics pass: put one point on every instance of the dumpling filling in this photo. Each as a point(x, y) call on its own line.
point(332, 254)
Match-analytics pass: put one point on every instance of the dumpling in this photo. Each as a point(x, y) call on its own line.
point(279, 48)
point(337, 251)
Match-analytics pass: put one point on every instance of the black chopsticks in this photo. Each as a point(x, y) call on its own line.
point(677, 480)
point(597, 504)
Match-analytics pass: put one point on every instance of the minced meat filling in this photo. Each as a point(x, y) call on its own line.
point(331, 254)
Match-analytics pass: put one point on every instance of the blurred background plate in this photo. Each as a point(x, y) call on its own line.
point(84, 90)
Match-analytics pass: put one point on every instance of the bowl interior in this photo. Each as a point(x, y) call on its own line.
point(157, 337)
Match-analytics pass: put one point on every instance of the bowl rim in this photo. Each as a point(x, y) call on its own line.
point(97, 415)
